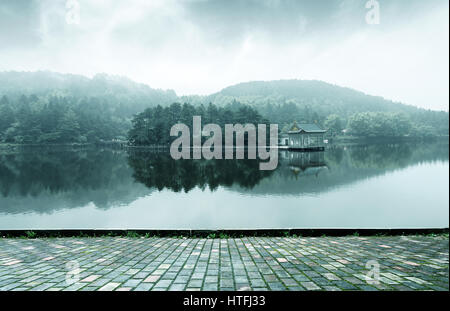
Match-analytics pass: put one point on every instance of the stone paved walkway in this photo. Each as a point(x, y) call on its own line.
point(329, 263)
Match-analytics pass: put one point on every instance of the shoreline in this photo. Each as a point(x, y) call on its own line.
point(336, 141)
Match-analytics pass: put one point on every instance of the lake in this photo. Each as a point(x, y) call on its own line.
point(396, 185)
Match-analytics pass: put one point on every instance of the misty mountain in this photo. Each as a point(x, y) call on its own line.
point(117, 90)
point(311, 101)
point(48, 107)
point(322, 97)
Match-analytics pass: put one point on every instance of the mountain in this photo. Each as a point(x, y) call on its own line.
point(322, 97)
point(311, 101)
point(49, 107)
point(117, 90)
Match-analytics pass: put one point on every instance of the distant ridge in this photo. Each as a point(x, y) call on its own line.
point(320, 96)
point(47, 82)
point(317, 94)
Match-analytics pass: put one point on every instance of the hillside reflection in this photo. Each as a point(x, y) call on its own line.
point(45, 179)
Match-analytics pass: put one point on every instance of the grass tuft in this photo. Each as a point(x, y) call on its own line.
point(132, 234)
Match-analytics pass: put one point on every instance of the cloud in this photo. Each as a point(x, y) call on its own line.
point(201, 46)
point(19, 24)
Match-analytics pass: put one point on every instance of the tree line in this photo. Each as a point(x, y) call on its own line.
point(383, 125)
point(69, 119)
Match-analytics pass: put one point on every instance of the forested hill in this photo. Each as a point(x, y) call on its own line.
point(332, 106)
point(47, 107)
point(322, 97)
point(120, 92)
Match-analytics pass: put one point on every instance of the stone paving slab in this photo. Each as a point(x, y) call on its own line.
point(253, 263)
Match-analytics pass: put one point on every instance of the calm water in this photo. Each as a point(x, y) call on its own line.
point(373, 186)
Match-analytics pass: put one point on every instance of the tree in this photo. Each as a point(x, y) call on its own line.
point(7, 117)
point(334, 124)
point(379, 124)
point(68, 127)
point(359, 124)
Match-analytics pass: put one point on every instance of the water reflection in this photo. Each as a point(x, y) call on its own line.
point(304, 163)
point(46, 179)
point(160, 171)
point(43, 180)
point(315, 173)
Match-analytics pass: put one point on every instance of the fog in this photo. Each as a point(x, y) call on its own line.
point(200, 46)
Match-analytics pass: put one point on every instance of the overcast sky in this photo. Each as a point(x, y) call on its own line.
point(201, 46)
